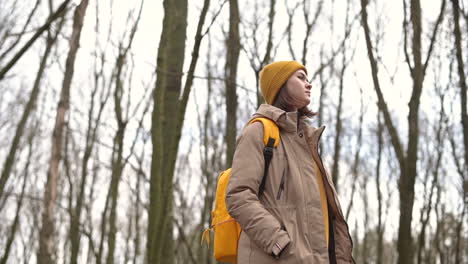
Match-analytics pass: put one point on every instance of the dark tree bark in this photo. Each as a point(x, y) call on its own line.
point(407, 161)
point(339, 123)
point(167, 128)
point(232, 58)
point(380, 226)
point(462, 79)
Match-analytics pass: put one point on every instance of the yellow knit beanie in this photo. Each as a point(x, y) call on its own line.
point(274, 75)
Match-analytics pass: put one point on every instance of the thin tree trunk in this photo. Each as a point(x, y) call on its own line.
point(462, 78)
point(46, 236)
point(357, 158)
point(118, 162)
point(435, 173)
point(91, 136)
point(380, 226)
point(338, 125)
point(365, 201)
point(205, 127)
point(136, 240)
point(10, 159)
point(232, 58)
point(16, 221)
point(309, 25)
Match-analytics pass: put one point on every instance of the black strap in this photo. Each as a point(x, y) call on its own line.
point(267, 154)
point(331, 238)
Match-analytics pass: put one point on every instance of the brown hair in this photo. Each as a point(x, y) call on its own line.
point(284, 101)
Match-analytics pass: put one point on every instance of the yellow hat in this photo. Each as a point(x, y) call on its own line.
point(274, 75)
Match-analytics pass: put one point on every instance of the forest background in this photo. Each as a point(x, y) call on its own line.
point(117, 116)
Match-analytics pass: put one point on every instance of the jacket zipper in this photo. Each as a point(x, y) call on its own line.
point(326, 178)
point(281, 187)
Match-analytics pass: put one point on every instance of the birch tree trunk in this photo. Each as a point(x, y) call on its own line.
point(46, 235)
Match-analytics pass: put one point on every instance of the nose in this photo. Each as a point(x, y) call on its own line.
point(308, 85)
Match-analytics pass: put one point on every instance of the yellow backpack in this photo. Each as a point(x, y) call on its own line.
point(226, 229)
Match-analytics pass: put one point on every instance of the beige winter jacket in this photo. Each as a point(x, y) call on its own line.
point(286, 215)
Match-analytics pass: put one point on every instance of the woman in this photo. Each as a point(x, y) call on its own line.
point(297, 218)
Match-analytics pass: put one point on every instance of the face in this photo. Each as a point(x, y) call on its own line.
point(298, 88)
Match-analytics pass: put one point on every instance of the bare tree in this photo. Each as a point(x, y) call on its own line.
point(433, 168)
point(251, 45)
point(16, 222)
point(357, 158)
point(461, 72)
point(94, 120)
point(167, 128)
point(407, 161)
point(46, 243)
point(30, 106)
point(57, 14)
point(380, 225)
point(6, 33)
point(344, 65)
point(232, 58)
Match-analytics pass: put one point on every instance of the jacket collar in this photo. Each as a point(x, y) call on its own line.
point(286, 121)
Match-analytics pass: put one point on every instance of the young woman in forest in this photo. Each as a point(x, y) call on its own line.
point(296, 218)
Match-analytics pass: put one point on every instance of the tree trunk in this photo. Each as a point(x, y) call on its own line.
point(232, 58)
point(117, 170)
point(206, 125)
point(167, 129)
point(462, 79)
point(407, 161)
point(380, 226)
point(357, 158)
point(91, 136)
point(16, 221)
point(10, 159)
point(46, 236)
point(168, 84)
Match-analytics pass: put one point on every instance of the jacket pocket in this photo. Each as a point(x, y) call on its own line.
point(281, 186)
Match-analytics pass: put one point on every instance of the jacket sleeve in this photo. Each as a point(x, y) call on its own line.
point(242, 193)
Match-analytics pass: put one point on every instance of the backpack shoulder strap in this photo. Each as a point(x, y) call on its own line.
point(271, 138)
point(270, 130)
